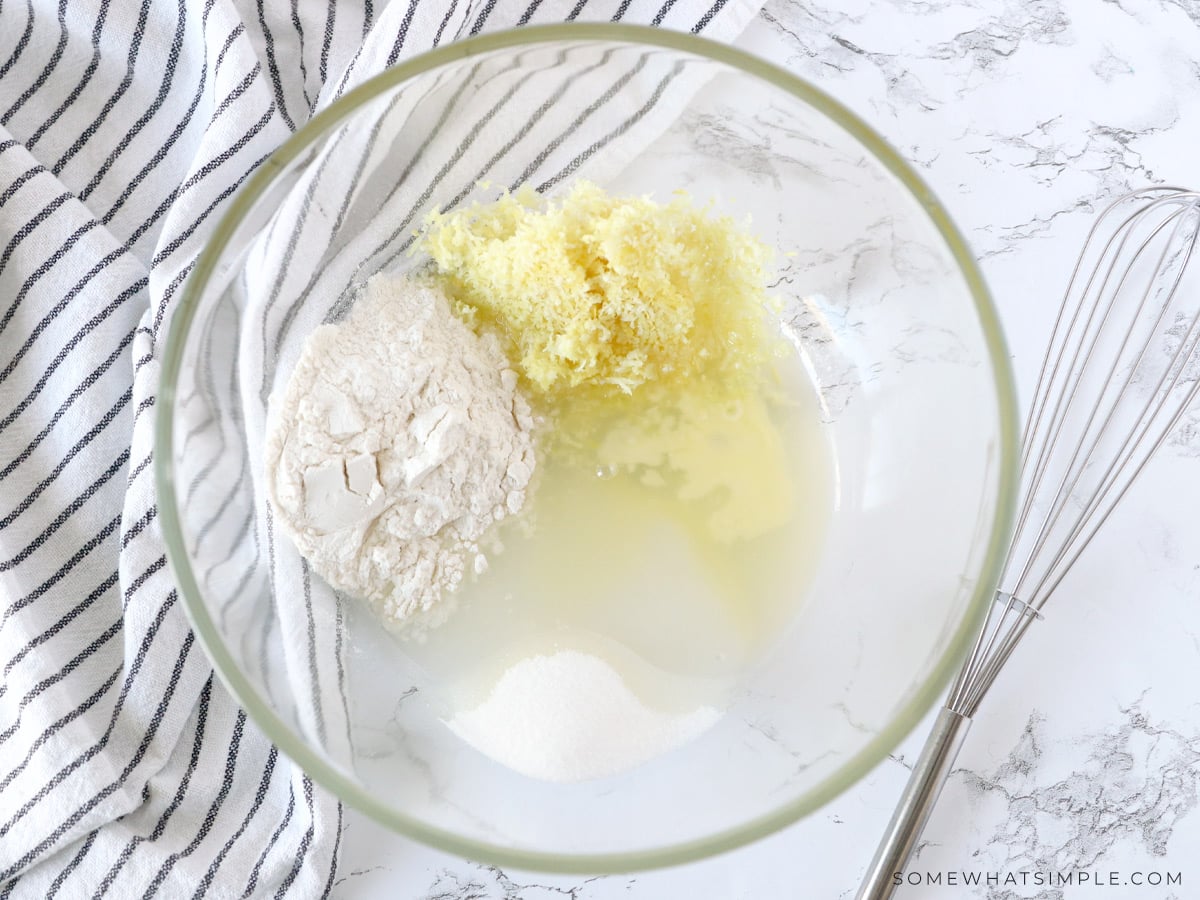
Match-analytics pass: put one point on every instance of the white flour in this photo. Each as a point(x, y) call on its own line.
point(399, 440)
point(570, 716)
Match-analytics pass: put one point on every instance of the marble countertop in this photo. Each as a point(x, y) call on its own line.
point(1024, 115)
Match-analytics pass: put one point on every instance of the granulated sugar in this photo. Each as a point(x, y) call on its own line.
point(569, 716)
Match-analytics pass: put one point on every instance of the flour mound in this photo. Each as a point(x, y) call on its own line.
point(399, 440)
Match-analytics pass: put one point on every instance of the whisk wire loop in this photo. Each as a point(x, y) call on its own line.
point(1088, 520)
point(1106, 400)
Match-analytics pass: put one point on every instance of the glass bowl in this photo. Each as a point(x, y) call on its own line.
point(896, 330)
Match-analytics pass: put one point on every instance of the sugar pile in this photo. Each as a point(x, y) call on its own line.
point(569, 716)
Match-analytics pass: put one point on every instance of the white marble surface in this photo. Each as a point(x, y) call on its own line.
point(1022, 114)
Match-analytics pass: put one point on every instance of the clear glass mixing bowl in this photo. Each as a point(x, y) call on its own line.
point(898, 333)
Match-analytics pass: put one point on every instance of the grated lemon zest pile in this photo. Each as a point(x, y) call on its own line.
point(607, 293)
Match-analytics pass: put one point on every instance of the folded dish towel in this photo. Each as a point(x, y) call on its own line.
point(126, 770)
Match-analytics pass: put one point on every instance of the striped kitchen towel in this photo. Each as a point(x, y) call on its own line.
point(125, 127)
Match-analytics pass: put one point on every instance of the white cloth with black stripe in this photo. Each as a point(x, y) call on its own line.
point(125, 769)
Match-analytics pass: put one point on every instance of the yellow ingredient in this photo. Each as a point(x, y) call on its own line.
point(641, 331)
point(607, 292)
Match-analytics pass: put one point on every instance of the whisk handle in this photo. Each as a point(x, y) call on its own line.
point(912, 812)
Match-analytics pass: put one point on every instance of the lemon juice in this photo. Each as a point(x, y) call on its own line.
point(626, 562)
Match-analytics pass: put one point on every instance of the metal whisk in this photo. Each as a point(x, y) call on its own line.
point(1122, 368)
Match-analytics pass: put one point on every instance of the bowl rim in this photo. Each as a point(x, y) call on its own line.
point(326, 775)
